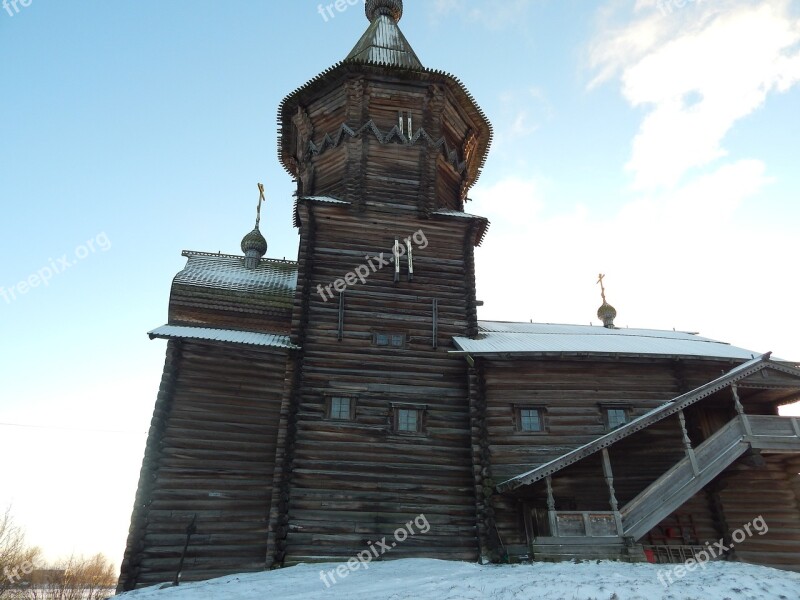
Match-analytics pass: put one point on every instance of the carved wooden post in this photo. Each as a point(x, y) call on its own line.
point(687, 444)
point(551, 507)
point(609, 475)
point(740, 410)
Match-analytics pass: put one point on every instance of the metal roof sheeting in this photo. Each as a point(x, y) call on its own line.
point(326, 200)
point(250, 338)
point(543, 338)
point(227, 272)
point(449, 212)
point(384, 44)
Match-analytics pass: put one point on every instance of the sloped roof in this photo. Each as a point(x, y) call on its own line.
point(549, 339)
point(657, 414)
point(227, 272)
point(384, 44)
point(483, 222)
point(250, 338)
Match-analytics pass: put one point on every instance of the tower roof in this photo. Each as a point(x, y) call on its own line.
point(382, 50)
point(383, 43)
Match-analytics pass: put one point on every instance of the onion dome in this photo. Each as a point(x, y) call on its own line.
point(607, 313)
point(390, 8)
point(254, 245)
point(254, 242)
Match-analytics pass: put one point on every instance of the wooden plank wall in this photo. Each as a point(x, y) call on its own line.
point(572, 391)
point(353, 482)
point(226, 309)
point(764, 492)
point(370, 168)
point(211, 454)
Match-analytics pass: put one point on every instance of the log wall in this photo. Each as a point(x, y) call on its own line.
point(572, 392)
point(764, 492)
point(210, 453)
point(353, 482)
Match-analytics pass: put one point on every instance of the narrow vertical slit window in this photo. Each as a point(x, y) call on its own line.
point(340, 329)
point(435, 332)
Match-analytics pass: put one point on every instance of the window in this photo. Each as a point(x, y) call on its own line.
point(408, 418)
point(392, 340)
point(616, 417)
point(340, 408)
point(530, 419)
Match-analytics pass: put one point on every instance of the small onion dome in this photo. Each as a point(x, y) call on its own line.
point(254, 246)
point(390, 8)
point(607, 314)
point(255, 242)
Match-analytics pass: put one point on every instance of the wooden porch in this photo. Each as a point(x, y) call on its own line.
point(619, 529)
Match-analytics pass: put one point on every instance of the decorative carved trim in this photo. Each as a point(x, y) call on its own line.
point(394, 135)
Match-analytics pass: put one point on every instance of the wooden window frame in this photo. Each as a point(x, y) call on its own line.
point(329, 398)
point(390, 334)
point(422, 417)
point(543, 420)
point(605, 410)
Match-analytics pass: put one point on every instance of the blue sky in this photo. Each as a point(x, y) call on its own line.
point(654, 143)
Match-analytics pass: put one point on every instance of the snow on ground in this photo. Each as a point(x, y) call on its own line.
point(424, 579)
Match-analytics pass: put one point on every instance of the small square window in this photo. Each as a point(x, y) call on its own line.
point(340, 408)
point(616, 417)
point(408, 420)
point(393, 340)
point(530, 419)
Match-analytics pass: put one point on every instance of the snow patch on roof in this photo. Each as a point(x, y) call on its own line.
point(545, 338)
point(227, 272)
point(250, 338)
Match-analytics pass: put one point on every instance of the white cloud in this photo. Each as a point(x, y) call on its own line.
point(696, 72)
point(678, 259)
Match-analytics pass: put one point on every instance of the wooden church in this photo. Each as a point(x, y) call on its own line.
point(309, 408)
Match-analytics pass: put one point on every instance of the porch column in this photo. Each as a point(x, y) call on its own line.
point(687, 444)
point(740, 410)
point(609, 475)
point(551, 507)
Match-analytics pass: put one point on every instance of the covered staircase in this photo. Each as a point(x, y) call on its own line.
point(702, 464)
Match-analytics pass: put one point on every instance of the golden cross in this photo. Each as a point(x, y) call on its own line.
point(602, 287)
point(260, 200)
